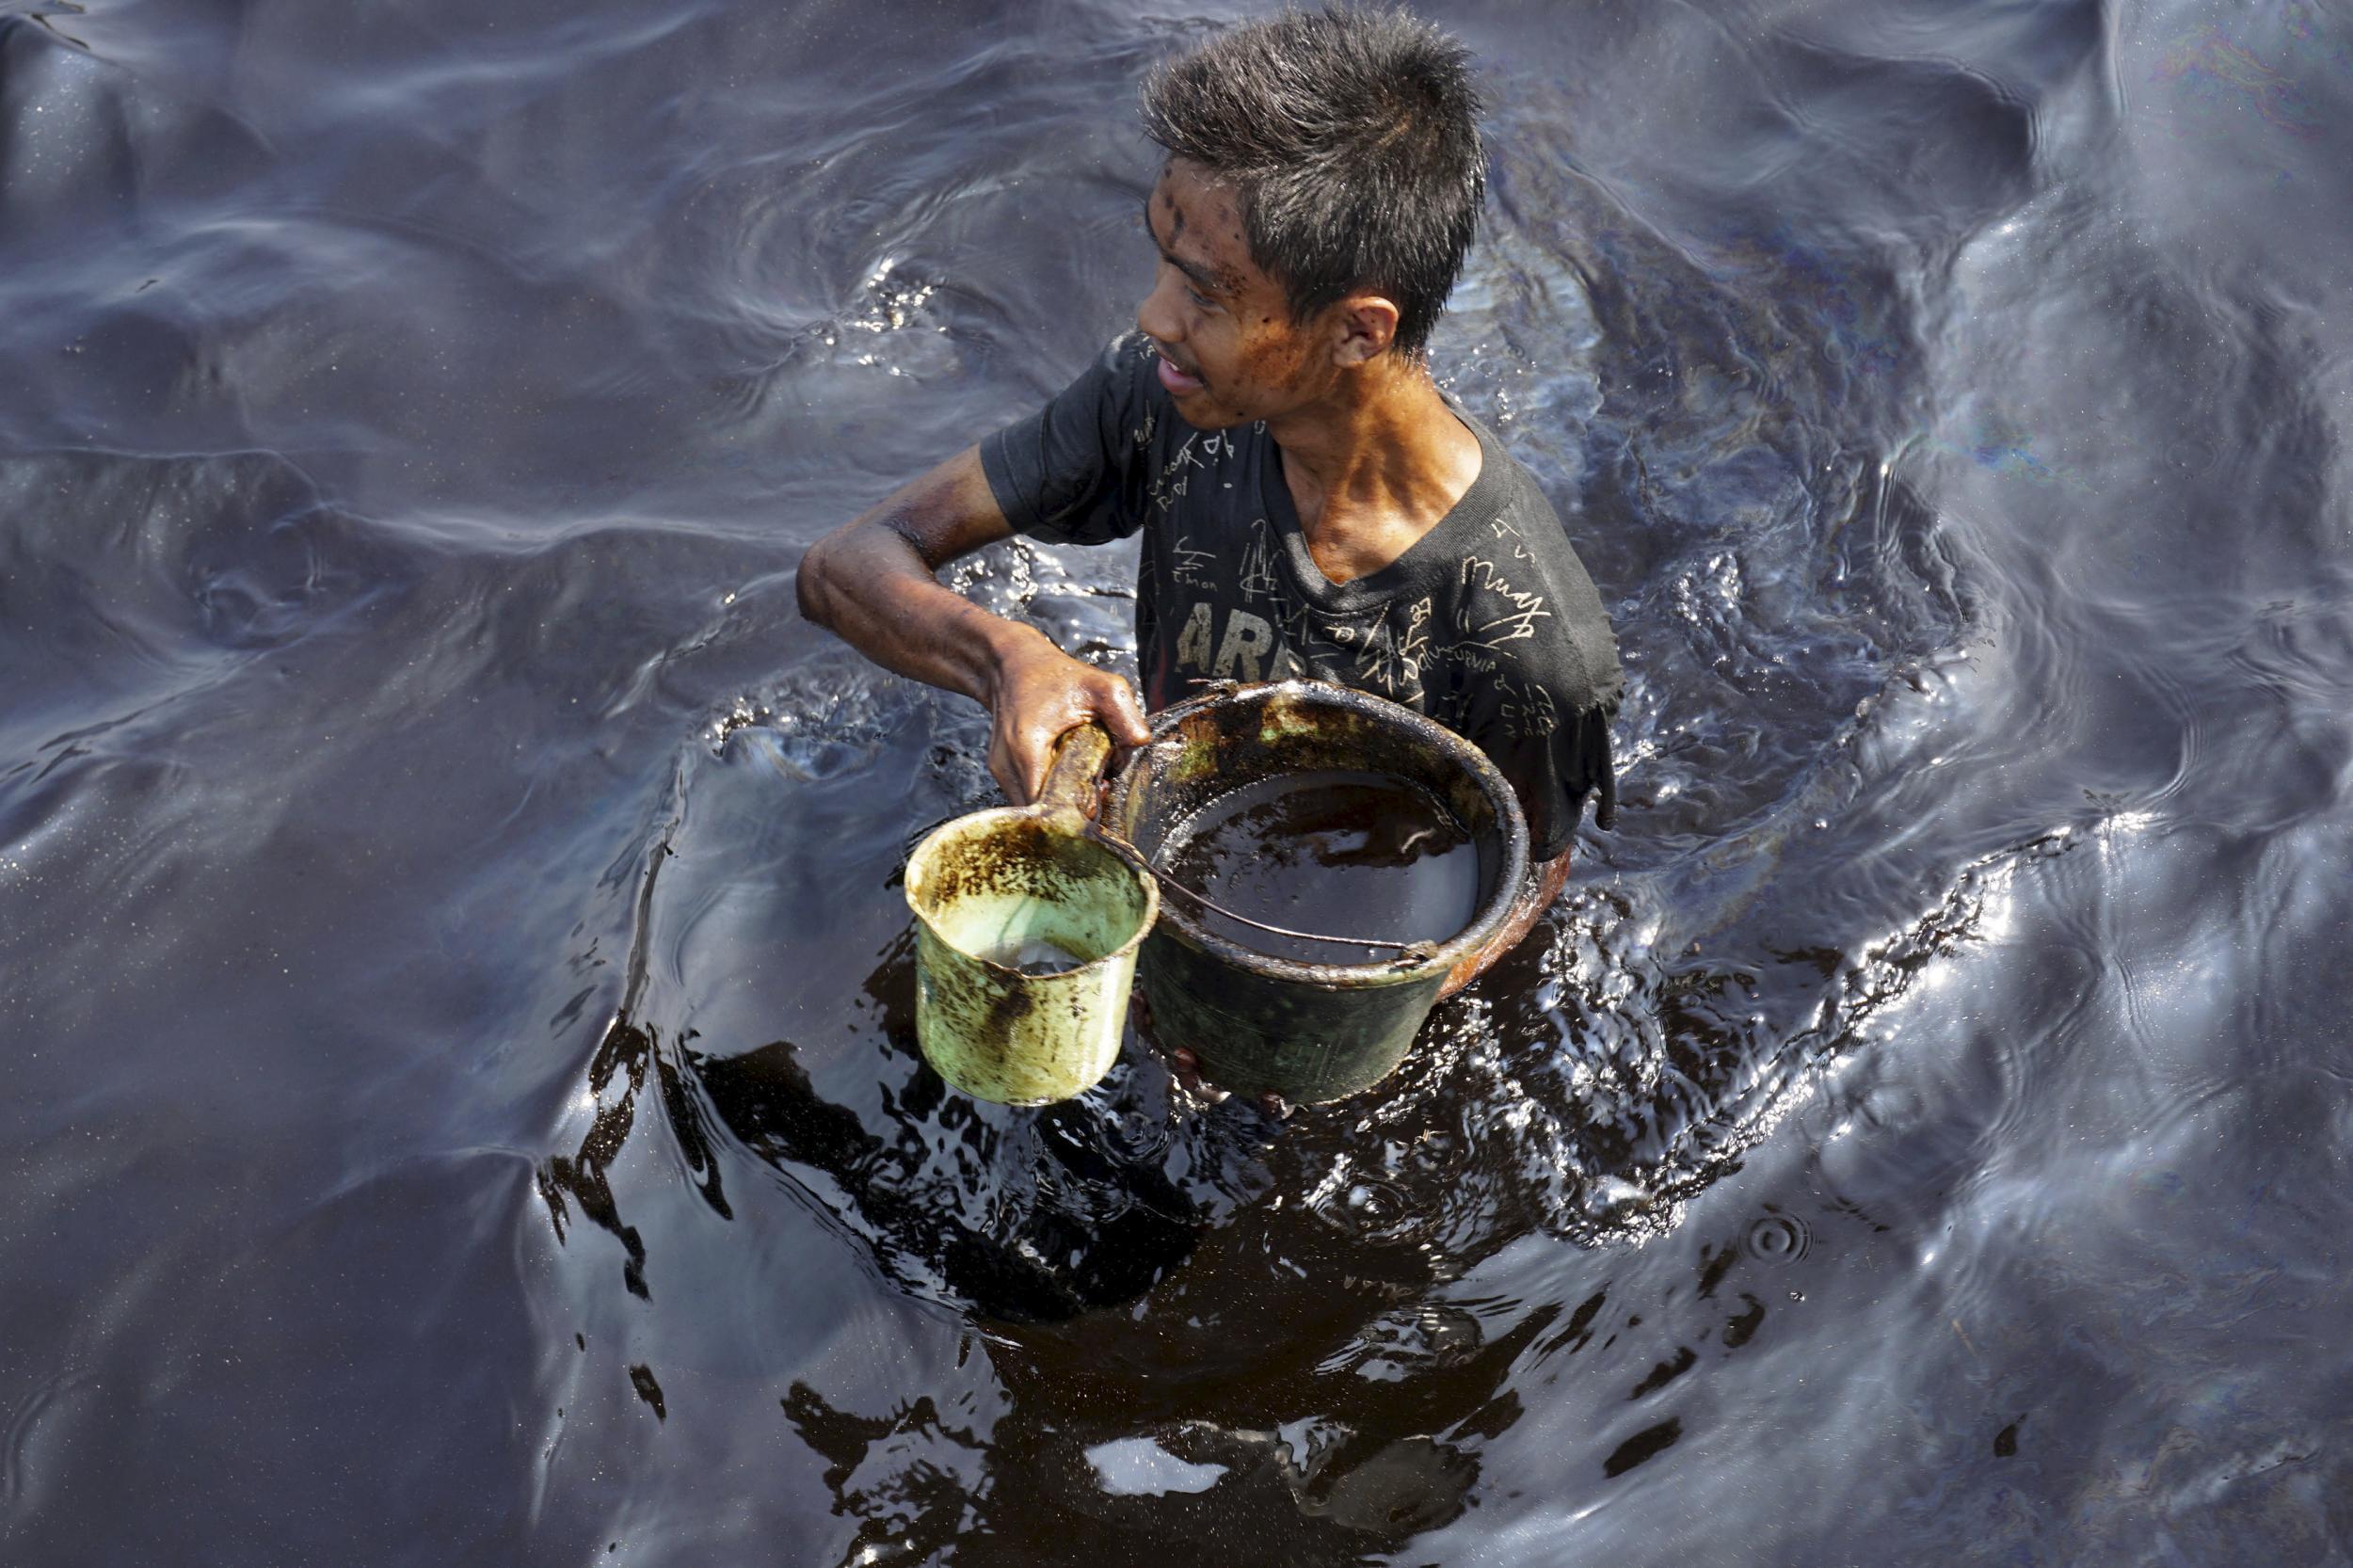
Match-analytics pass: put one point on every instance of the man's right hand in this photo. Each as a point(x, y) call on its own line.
point(1040, 693)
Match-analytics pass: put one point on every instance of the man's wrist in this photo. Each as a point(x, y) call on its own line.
point(1004, 644)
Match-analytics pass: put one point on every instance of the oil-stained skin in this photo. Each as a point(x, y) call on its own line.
point(1366, 447)
point(1216, 315)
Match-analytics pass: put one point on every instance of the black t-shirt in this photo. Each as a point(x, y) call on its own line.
point(1488, 624)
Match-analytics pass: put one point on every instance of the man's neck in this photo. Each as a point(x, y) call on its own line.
point(1375, 467)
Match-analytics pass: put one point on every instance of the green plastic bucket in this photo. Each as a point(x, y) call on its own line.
point(987, 887)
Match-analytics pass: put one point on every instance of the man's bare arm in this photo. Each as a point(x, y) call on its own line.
point(872, 583)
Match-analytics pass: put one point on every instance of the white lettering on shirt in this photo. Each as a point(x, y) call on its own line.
point(1190, 568)
point(1192, 643)
point(1488, 624)
point(1247, 640)
point(1258, 562)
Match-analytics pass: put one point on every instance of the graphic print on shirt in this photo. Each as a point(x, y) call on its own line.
point(1493, 611)
point(1239, 650)
point(1527, 710)
point(1236, 651)
point(1301, 628)
point(1192, 640)
point(1257, 563)
point(1390, 648)
point(1176, 478)
point(1190, 566)
point(1305, 644)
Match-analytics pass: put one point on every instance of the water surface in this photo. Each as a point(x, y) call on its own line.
point(461, 1099)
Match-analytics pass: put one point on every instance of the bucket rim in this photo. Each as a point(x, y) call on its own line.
point(1077, 827)
point(1440, 957)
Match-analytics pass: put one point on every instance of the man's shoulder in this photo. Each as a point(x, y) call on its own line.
point(1515, 597)
point(1509, 529)
point(1098, 458)
point(1121, 375)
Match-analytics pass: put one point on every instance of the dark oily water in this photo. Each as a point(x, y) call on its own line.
point(1331, 854)
point(462, 1102)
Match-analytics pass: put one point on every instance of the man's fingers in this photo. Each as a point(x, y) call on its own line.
point(1123, 715)
point(1019, 775)
point(1042, 699)
point(1033, 759)
point(1008, 780)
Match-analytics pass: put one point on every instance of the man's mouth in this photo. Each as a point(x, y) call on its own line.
point(1177, 381)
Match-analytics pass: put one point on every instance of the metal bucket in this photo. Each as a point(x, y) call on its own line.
point(1307, 1032)
point(986, 886)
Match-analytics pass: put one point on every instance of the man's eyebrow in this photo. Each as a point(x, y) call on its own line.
point(1201, 277)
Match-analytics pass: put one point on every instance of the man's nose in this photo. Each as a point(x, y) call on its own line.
point(1157, 318)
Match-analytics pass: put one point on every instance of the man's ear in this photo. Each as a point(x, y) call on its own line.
point(1363, 326)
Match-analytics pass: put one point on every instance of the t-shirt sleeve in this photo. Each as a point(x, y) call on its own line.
point(1551, 740)
point(1076, 471)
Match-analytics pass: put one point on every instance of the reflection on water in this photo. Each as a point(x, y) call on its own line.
point(463, 1095)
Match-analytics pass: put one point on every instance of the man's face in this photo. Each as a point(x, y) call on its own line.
point(1229, 350)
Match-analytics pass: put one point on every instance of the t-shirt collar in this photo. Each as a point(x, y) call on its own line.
point(1433, 554)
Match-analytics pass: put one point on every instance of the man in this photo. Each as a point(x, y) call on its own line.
point(1310, 503)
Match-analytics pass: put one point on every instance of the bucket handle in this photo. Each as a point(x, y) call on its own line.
point(1077, 771)
point(1071, 780)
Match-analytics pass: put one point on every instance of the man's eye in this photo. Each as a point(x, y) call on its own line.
point(1199, 298)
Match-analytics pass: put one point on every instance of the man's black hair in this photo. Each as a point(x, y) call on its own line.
point(1351, 139)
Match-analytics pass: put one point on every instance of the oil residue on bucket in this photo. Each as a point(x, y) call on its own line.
point(1333, 852)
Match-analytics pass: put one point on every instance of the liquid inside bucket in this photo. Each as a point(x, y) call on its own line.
point(1010, 937)
point(1319, 809)
point(1035, 912)
point(1039, 956)
point(1339, 853)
